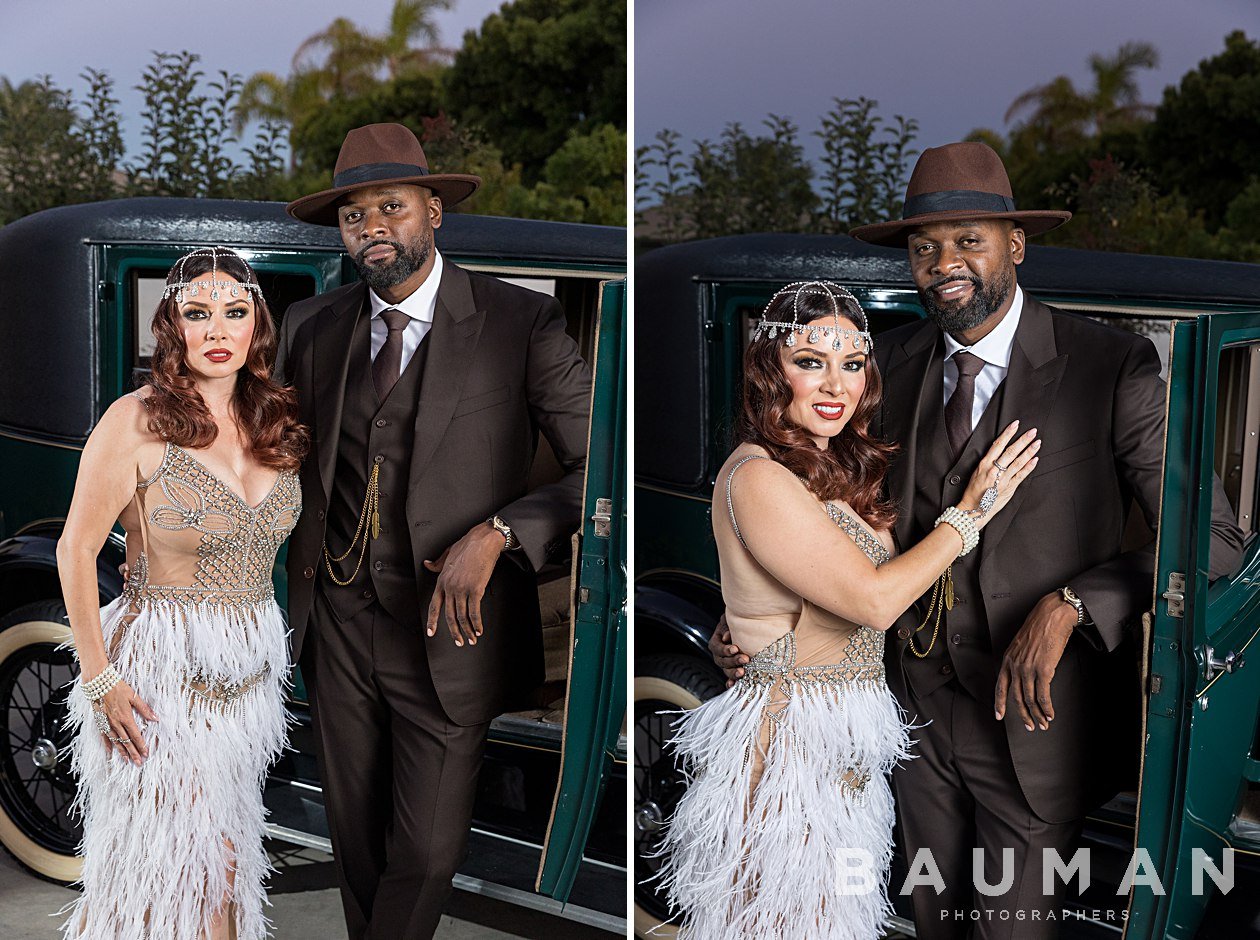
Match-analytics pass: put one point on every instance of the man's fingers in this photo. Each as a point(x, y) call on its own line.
point(999, 694)
point(435, 606)
point(452, 619)
point(463, 607)
point(474, 614)
point(1021, 708)
point(1026, 696)
point(1044, 701)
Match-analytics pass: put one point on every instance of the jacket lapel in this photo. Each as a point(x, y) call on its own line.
point(904, 378)
point(332, 350)
point(1032, 383)
point(452, 340)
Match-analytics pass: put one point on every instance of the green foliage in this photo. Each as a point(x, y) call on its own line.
point(538, 71)
point(864, 164)
point(1206, 132)
point(584, 181)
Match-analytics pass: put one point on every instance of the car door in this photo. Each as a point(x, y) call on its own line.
point(595, 703)
point(1199, 769)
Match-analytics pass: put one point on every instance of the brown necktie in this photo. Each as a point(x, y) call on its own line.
point(388, 362)
point(958, 408)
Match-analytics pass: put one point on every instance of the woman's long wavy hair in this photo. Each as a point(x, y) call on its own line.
point(854, 464)
point(265, 412)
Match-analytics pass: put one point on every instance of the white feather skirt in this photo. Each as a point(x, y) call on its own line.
point(156, 837)
point(769, 864)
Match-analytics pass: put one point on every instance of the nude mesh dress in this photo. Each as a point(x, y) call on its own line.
point(197, 633)
point(788, 771)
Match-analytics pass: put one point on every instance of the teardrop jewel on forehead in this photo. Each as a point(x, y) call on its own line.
point(182, 287)
point(843, 304)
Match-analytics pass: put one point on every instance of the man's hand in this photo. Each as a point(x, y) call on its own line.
point(463, 572)
point(1030, 661)
point(725, 653)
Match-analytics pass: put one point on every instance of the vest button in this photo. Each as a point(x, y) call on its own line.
point(381, 422)
point(955, 480)
point(379, 458)
point(947, 670)
point(903, 633)
point(308, 573)
point(320, 514)
point(378, 565)
point(956, 639)
point(368, 595)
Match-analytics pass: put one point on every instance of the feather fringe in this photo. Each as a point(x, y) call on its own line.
point(156, 860)
point(768, 866)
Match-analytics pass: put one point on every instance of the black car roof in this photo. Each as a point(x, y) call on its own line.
point(782, 258)
point(265, 224)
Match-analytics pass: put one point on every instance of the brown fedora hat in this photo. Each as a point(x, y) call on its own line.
point(957, 183)
point(376, 155)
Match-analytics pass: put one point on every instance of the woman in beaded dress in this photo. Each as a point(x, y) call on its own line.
point(788, 794)
point(181, 707)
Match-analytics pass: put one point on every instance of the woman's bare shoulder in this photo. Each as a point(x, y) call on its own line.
point(124, 428)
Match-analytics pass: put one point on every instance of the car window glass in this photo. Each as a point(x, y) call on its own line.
point(1237, 427)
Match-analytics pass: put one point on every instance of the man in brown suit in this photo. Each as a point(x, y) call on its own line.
point(1028, 686)
point(412, 598)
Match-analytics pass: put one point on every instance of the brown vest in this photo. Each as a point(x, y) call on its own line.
point(963, 646)
point(382, 433)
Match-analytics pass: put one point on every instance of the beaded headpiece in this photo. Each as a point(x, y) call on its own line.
point(843, 304)
point(182, 287)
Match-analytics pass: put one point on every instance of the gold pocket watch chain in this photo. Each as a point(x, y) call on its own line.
point(369, 518)
point(942, 600)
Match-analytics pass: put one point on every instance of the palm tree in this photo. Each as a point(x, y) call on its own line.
point(351, 57)
point(409, 21)
point(1061, 112)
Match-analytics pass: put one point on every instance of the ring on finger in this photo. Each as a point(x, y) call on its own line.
point(1001, 469)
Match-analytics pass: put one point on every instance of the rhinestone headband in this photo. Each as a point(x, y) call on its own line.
point(182, 287)
point(843, 304)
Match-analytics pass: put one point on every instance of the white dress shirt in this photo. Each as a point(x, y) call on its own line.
point(419, 306)
point(995, 350)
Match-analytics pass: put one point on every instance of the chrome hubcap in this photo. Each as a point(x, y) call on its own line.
point(648, 817)
point(44, 754)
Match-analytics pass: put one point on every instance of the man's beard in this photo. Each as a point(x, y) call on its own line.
point(407, 261)
point(986, 299)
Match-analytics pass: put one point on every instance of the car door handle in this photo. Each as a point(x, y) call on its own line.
point(1213, 664)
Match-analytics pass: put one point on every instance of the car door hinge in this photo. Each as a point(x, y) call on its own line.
point(1176, 594)
point(602, 518)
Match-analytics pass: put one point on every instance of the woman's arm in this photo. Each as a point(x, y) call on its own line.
point(106, 482)
point(798, 544)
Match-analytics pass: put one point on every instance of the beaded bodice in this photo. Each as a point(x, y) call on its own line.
point(203, 541)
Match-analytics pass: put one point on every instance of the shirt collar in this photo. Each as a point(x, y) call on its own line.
point(419, 303)
point(995, 349)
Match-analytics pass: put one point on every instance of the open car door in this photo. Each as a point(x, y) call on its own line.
point(1199, 762)
point(595, 704)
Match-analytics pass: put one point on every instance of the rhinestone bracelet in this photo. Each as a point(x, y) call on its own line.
point(106, 679)
point(963, 525)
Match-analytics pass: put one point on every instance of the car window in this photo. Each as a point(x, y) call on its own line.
point(1237, 427)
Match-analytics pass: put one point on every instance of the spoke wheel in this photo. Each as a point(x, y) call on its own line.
point(662, 684)
point(37, 789)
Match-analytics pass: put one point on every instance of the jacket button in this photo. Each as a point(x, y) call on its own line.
point(379, 458)
point(378, 565)
point(903, 633)
point(368, 595)
point(319, 514)
point(381, 422)
point(308, 573)
point(956, 639)
point(947, 670)
point(955, 480)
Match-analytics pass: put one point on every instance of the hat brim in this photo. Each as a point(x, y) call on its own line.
point(321, 208)
point(895, 234)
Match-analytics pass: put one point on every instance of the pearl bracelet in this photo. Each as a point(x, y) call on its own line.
point(106, 679)
point(963, 524)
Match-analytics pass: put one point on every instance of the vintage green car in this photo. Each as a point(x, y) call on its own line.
point(78, 286)
point(1200, 741)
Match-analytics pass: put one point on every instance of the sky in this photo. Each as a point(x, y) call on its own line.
point(63, 37)
point(954, 66)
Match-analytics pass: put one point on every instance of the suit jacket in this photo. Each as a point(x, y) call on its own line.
point(1094, 394)
point(500, 368)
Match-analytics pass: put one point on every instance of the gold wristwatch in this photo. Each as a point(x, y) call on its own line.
point(509, 539)
point(1070, 597)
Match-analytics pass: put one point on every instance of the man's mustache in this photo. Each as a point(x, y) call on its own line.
point(973, 281)
point(380, 241)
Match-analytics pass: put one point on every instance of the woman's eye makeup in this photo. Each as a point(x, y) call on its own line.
point(808, 362)
point(855, 365)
